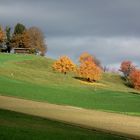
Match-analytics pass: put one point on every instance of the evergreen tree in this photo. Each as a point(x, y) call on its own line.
point(19, 28)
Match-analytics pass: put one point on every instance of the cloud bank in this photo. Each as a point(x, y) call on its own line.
point(108, 29)
point(110, 51)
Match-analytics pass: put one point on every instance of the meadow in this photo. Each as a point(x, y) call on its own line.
point(31, 77)
point(17, 126)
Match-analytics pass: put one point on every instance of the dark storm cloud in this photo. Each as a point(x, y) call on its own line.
point(108, 28)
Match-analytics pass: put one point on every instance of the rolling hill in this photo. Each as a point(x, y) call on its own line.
point(31, 77)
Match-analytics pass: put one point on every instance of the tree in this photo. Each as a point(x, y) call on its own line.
point(89, 70)
point(2, 35)
point(135, 78)
point(32, 38)
point(86, 56)
point(8, 38)
point(64, 65)
point(36, 40)
point(126, 68)
point(19, 28)
point(8, 33)
point(20, 40)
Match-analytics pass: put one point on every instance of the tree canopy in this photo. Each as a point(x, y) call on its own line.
point(88, 69)
point(36, 39)
point(126, 68)
point(64, 65)
point(32, 38)
point(19, 28)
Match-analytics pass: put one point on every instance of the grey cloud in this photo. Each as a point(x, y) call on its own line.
point(109, 50)
point(110, 29)
point(77, 17)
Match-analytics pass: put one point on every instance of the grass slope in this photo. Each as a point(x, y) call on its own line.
point(16, 126)
point(31, 77)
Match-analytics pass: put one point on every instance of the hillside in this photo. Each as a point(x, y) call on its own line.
point(32, 77)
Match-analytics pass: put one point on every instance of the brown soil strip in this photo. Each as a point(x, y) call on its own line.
point(119, 124)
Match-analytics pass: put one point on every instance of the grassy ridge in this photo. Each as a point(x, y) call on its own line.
point(32, 78)
point(16, 126)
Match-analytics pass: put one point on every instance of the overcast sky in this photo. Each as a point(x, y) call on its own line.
point(108, 29)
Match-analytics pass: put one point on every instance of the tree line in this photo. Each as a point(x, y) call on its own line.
point(90, 69)
point(22, 37)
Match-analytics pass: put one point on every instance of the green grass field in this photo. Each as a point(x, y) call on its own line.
point(31, 77)
point(16, 126)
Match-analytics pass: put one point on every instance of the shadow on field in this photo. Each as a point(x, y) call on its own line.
point(80, 78)
point(84, 79)
point(137, 93)
point(127, 82)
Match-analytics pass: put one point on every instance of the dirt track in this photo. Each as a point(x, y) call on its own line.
point(111, 122)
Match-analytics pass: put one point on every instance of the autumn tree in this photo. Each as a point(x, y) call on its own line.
point(64, 65)
point(126, 68)
point(86, 56)
point(36, 40)
point(20, 40)
point(2, 35)
point(32, 38)
point(89, 70)
point(135, 78)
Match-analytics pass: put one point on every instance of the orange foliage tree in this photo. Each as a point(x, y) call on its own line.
point(86, 56)
point(135, 78)
point(2, 35)
point(126, 68)
point(20, 40)
point(64, 65)
point(89, 70)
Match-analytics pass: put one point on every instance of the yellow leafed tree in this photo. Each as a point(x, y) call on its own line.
point(64, 65)
point(85, 56)
point(89, 70)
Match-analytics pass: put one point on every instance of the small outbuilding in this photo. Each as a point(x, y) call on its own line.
point(22, 50)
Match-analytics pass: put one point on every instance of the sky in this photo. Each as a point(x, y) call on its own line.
point(108, 29)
